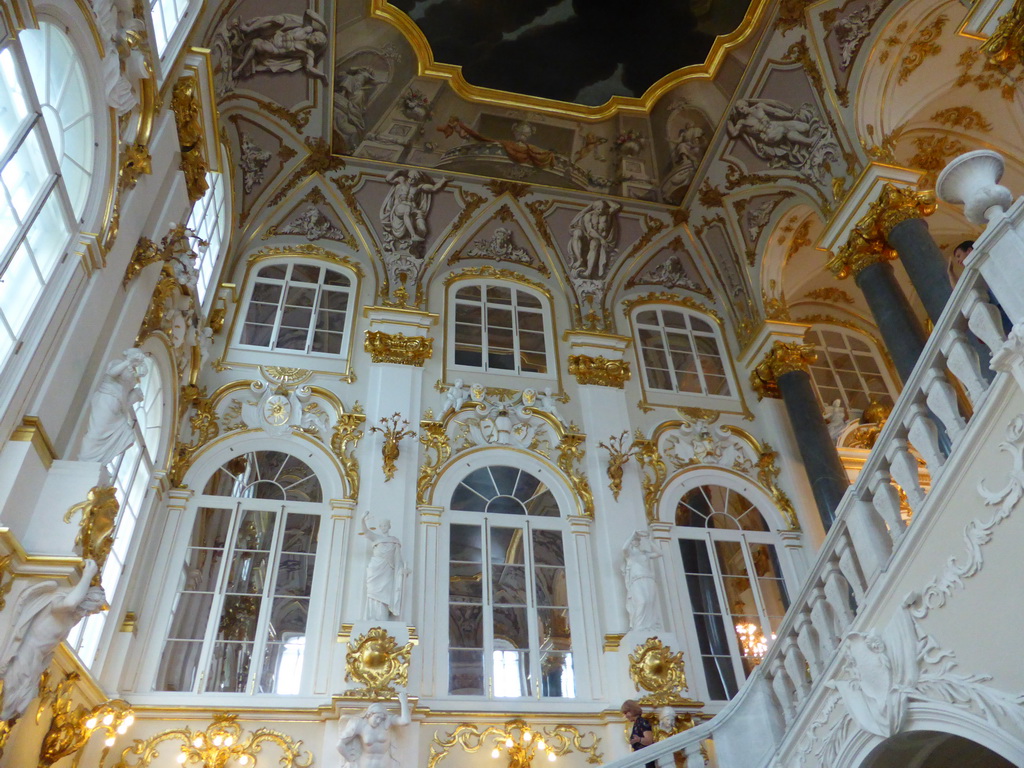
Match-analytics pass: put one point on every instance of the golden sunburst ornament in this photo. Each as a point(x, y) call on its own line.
point(654, 668)
point(379, 663)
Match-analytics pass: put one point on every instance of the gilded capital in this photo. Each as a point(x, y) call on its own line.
point(1005, 48)
point(781, 358)
point(599, 370)
point(398, 348)
point(898, 204)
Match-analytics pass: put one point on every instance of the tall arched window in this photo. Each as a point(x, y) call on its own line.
point(736, 589)
point(680, 352)
point(131, 473)
point(500, 328)
point(46, 167)
point(848, 369)
point(509, 630)
point(209, 220)
point(242, 603)
point(298, 306)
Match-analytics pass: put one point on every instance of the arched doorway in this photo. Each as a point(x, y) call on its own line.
point(931, 749)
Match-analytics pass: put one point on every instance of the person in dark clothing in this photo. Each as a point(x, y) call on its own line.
point(642, 733)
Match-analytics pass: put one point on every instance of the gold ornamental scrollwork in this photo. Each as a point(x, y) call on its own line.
point(188, 120)
point(398, 348)
point(175, 244)
point(618, 455)
point(1005, 48)
point(204, 429)
point(438, 447)
point(96, 528)
point(599, 371)
point(378, 663)
point(654, 474)
point(348, 431)
point(222, 742)
point(782, 358)
point(570, 460)
point(394, 432)
point(767, 473)
point(71, 727)
point(655, 669)
point(6, 583)
point(525, 741)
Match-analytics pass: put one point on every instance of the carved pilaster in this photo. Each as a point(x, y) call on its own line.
point(782, 358)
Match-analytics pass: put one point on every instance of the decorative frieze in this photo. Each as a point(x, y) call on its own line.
point(398, 348)
point(599, 371)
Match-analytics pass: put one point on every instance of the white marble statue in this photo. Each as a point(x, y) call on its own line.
point(111, 412)
point(667, 720)
point(367, 741)
point(123, 62)
point(835, 418)
point(403, 214)
point(546, 402)
point(455, 397)
point(638, 557)
point(385, 573)
point(283, 42)
point(593, 234)
point(41, 620)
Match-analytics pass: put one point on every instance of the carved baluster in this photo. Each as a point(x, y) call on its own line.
point(838, 596)
point(782, 689)
point(887, 501)
point(904, 470)
point(941, 398)
point(808, 642)
point(694, 754)
point(796, 667)
point(823, 619)
point(925, 437)
point(983, 319)
point(870, 538)
point(963, 363)
point(849, 567)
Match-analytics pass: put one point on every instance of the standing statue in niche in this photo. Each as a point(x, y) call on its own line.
point(638, 557)
point(352, 91)
point(284, 42)
point(403, 214)
point(42, 619)
point(111, 413)
point(385, 573)
point(593, 234)
point(366, 741)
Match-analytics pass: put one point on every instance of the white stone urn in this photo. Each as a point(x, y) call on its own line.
point(972, 180)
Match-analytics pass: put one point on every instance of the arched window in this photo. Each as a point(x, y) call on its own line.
point(500, 328)
point(242, 603)
point(508, 606)
point(167, 15)
point(131, 473)
point(736, 589)
point(298, 306)
point(848, 369)
point(680, 352)
point(46, 167)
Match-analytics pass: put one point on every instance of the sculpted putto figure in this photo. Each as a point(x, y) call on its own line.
point(782, 135)
point(366, 741)
point(592, 239)
point(638, 556)
point(111, 415)
point(385, 573)
point(43, 616)
point(284, 42)
point(403, 214)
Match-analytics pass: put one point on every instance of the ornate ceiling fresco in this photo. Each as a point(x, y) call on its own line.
point(582, 52)
point(714, 184)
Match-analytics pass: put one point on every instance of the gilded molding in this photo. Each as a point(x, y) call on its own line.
point(71, 728)
point(6, 582)
point(487, 271)
point(672, 299)
point(204, 429)
point(571, 453)
point(378, 663)
point(394, 432)
point(1005, 48)
point(347, 434)
point(922, 47)
point(655, 669)
point(319, 160)
point(599, 371)
point(767, 473)
point(31, 431)
point(175, 245)
point(223, 741)
point(188, 120)
point(524, 740)
point(96, 528)
point(435, 441)
point(782, 358)
point(306, 249)
point(618, 455)
point(831, 294)
point(398, 348)
point(654, 474)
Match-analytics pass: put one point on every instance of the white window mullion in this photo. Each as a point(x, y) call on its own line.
point(266, 604)
point(315, 311)
point(488, 612)
point(217, 604)
point(723, 601)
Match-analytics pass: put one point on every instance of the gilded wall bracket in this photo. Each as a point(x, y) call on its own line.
point(618, 455)
point(394, 431)
point(378, 663)
point(96, 527)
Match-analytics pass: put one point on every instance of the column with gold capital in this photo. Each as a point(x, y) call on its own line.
point(782, 373)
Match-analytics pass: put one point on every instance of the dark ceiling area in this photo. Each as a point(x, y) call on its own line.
point(581, 51)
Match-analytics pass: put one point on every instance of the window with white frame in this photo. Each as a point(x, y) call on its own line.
point(298, 306)
point(209, 220)
point(848, 369)
point(46, 167)
point(680, 352)
point(735, 584)
point(508, 605)
point(242, 601)
point(132, 472)
point(500, 328)
point(167, 15)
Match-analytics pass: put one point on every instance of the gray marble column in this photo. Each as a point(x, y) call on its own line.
point(817, 449)
point(902, 333)
point(925, 264)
